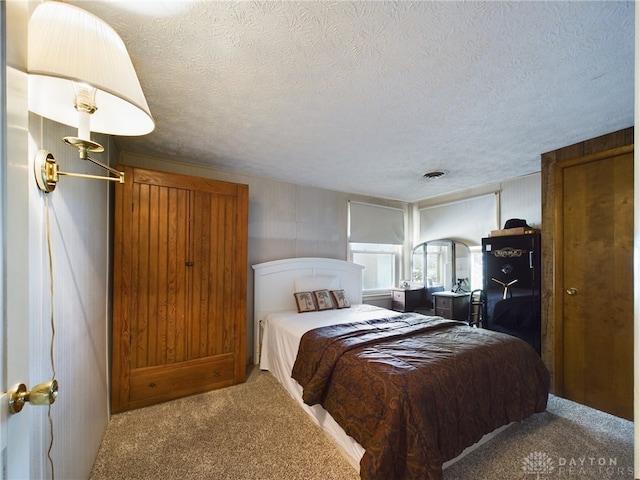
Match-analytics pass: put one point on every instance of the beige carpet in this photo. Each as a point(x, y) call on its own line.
point(250, 431)
point(256, 431)
point(568, 441)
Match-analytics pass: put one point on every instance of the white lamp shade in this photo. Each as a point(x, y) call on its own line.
point(68, 44)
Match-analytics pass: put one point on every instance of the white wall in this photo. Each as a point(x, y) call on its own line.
point(522, 198)
point(80, 244)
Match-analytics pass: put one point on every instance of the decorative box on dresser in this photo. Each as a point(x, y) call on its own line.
point(454, 306)
point(180, 285)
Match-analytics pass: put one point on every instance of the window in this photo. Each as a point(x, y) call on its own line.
point(476, 267)
point(381, 262)
point(376, 236)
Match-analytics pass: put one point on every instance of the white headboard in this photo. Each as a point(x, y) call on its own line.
point(274, 285)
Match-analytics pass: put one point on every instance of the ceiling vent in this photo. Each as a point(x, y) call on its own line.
point(435, 174)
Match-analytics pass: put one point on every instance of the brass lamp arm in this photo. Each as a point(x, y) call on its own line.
point(46, 172)
point(119, 176)
point(119, 179)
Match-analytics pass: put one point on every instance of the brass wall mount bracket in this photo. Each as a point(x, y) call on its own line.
point(47, 172)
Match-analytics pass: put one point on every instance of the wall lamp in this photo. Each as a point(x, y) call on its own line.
point(80, 74)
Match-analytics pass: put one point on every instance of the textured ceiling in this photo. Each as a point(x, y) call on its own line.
point(366, 97)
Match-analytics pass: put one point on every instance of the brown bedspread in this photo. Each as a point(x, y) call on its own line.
point(415, 391)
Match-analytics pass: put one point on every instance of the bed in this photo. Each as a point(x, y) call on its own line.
point(401, 394)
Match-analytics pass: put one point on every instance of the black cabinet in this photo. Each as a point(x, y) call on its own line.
point(452, 305)
point(407, 299)
point(511, 267)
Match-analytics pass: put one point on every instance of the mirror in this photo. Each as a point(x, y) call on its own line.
point(441, 265)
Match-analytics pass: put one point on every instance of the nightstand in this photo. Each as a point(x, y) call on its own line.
point(407, 299)
point(451, 305)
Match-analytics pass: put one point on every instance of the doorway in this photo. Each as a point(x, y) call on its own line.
point(589, 341)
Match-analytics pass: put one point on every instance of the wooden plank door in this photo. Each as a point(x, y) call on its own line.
point(179, 287)
point(212, 326)
point(596, 280)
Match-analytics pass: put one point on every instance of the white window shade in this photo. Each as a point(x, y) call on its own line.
point(467, 220)
point(375, 224)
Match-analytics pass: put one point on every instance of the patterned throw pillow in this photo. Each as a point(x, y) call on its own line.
point(304, 301)
point(323, 299)
point(340, 298)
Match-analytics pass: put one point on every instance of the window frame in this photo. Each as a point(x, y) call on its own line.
point(396, 252)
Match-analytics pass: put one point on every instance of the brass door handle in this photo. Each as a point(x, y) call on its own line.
point(572, 291)
point(42, 394)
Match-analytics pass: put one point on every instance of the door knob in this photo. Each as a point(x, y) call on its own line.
point(572, 291)
point(42, 394)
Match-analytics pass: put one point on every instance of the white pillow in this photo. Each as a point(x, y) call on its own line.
point(318, 282)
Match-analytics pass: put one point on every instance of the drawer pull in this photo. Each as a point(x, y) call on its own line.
point(572, 291)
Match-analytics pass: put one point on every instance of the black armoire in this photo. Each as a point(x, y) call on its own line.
point(511, 282)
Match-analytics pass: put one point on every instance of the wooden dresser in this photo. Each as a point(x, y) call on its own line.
point(407, 299)
point(180, 281)
point(451, 305)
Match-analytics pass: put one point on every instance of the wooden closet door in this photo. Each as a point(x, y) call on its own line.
point(179, 287)
point(213, 278)
point(597, 280)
